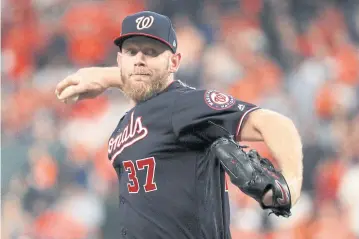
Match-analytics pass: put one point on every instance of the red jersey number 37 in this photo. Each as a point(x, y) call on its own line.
point(148, 164)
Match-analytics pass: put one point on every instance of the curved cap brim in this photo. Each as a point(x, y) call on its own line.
point(119, 41)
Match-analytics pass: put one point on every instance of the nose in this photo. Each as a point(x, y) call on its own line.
point(140, 59)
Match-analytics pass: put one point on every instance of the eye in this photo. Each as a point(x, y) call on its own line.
point(131, 51)
point(150, 52)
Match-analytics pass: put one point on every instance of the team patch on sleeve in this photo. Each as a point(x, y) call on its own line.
point(217, 100)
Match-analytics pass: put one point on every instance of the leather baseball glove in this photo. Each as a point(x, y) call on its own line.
point(253, 175)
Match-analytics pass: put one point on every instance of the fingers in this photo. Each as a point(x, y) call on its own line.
point(69, 92)
point(71, 80)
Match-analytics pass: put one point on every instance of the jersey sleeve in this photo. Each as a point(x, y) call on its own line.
point(202, 116)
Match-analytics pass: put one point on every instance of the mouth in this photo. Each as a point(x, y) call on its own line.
point(141, 72)
point(140, 77)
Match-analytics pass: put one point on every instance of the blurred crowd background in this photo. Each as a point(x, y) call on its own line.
point(298, 57)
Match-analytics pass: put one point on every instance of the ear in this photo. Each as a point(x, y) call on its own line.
point(175, 61)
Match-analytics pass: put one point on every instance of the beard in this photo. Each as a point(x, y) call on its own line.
point(142, 90)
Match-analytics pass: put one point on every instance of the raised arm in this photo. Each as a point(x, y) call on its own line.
point(88, 83)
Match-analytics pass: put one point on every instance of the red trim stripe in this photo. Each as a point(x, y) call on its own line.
point(241, 121)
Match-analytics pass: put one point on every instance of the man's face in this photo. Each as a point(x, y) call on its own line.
point(145, 67)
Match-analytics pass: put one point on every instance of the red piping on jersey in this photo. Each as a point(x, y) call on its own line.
point(241, 121)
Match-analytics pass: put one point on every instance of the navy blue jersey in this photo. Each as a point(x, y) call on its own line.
point(171, 186)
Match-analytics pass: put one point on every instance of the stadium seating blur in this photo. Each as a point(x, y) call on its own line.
point(297, 57)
